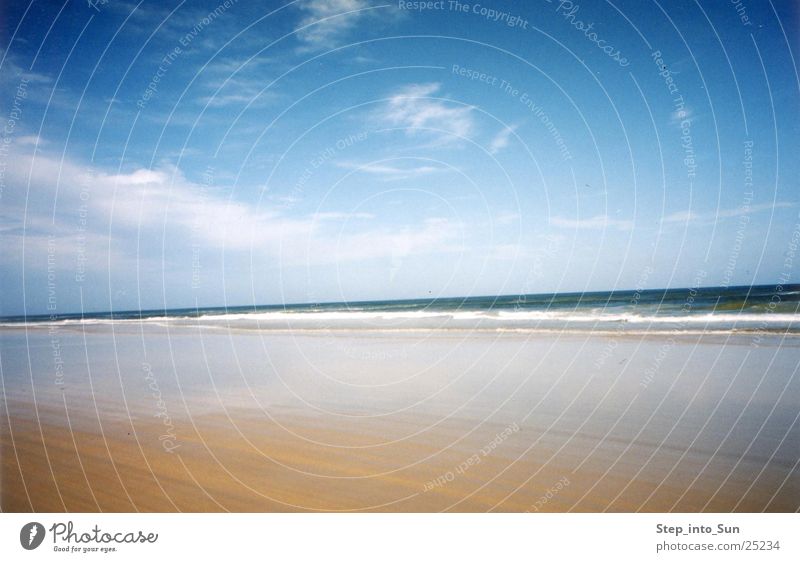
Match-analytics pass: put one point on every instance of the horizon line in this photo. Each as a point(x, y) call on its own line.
point(196, 308)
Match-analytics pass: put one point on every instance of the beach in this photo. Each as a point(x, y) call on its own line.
point(170, 416)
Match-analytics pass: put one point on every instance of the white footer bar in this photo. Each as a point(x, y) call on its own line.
point(400, 537)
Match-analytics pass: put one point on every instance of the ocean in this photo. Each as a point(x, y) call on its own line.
point(706, 310)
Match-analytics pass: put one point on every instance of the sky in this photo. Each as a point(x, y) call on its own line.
point(195, 154)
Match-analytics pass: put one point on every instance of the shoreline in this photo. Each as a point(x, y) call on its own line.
point(267, 422)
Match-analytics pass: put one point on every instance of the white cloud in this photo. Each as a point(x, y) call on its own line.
point(223, 100)
point(598, 222)
point(338, 216)
point(415, 107)
point(245, 87)
point(160, 200)
point(391, 172)
point(231, 65)
point(12, 72)
point(327, 22)
point(31, 140)
point(680, 216)
point(504, 219)
point(500, 141)
point(691, 216)
point(162, 206)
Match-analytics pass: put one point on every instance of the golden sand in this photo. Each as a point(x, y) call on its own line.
point(244, 461)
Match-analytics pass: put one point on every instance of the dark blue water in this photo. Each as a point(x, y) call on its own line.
point(720, 307)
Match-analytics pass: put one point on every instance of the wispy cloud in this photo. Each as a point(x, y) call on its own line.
point(326, 23)
point(504, 219)
point(597, 222)
point(500, 140)
point(240, 88)
point(418, 108)
point(229, 65)
point(390, 171)
point(31, 140)
point(711, 217)
point(223, 100)
point(339, 216)
point(12, 72)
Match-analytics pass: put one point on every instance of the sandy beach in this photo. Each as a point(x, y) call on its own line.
point(134, 418)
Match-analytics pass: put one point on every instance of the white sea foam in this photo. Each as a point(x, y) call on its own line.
point(460, 319)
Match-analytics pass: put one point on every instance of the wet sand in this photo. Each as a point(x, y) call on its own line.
point(247, 421)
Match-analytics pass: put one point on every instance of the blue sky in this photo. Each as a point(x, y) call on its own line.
point(179, 154)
